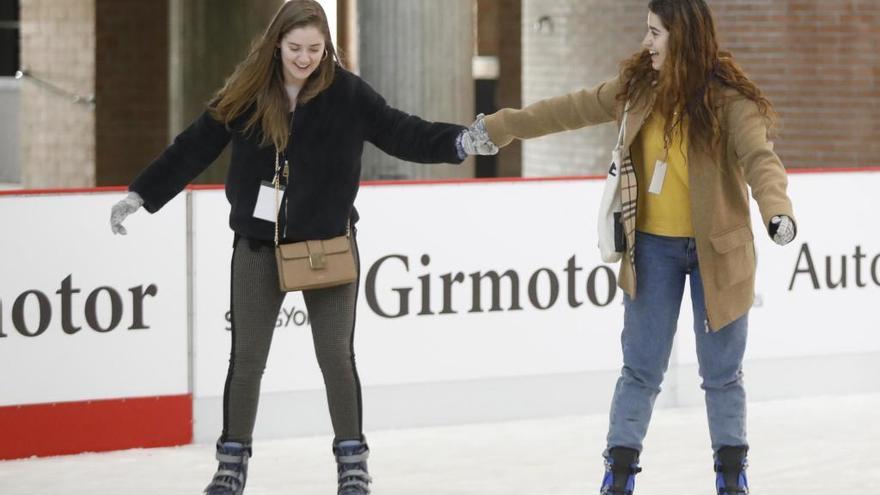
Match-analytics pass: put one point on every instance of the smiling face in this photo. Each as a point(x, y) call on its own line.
point(656, 41)
point(302, 49)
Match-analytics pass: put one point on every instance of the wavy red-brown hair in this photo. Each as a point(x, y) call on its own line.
point(256, 87)
point(694, 73)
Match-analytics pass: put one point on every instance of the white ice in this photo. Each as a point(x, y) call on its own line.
point(826, 445)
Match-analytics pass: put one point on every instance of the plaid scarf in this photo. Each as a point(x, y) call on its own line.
point(628, 199)
point(629, 192)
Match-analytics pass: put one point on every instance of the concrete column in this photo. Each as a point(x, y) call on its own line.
point(417, 54)
point(208, 39)
point(568, 46)
point(10, 132)
point(57, 134)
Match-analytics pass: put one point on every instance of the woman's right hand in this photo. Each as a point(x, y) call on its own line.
point(475, 140)
point(122, 209)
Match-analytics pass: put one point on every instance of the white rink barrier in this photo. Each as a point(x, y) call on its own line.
point(93, 327)
point(478, 301)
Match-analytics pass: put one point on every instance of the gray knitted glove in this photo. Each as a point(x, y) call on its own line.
point(122, 209)
point(475, 140)
point(782, 229)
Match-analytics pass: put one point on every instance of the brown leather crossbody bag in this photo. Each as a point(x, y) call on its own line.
point(311, 264)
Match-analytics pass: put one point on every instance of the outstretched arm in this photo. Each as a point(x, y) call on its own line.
point(561, 113)
point(406, 136)
point(192, 151)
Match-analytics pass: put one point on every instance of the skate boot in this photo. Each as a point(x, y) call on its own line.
point(351, 466)
point(231, 475)
point(621, 467)
point(730, 466)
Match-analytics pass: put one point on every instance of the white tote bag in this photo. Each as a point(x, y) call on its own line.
point(612, 241)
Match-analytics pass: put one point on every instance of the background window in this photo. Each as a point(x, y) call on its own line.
point(9, 43)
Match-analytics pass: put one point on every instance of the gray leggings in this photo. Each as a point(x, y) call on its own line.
point(256, 301)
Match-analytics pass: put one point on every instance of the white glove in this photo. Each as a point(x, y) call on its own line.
point(122, 209)
point(782, 229)
point(475, 139)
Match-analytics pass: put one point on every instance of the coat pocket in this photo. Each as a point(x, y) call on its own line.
point(734, 257)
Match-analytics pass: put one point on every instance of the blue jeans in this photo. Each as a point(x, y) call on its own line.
point(650, 320)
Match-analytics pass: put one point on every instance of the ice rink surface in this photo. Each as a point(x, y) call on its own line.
point(825, 445)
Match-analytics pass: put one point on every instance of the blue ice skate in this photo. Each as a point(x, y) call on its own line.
point(621, 467)
point(730, 466)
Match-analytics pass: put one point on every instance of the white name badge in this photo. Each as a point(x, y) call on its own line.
point(657, 180)
point(266, 209)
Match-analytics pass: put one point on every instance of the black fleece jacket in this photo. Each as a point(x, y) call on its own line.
point(324, 153)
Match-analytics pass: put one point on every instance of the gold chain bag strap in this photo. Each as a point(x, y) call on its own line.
point(311, 264)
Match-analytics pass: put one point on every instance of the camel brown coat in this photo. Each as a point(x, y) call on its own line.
point(719, 183)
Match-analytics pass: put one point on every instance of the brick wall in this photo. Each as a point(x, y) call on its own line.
point(817, 61)
point(57, 135)
point(131, 79)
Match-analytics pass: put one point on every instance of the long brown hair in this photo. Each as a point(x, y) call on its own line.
point(256, 87)
point(695, 70)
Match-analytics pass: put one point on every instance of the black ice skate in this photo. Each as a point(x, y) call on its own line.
point(231, 474)
point(351, 462)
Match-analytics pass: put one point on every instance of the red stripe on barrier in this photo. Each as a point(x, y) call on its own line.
point(412, 182)
point(486, 180)
point(422, 182)
point(63, 190)
point(94, 426)
point(205, 187)
point(831, 170)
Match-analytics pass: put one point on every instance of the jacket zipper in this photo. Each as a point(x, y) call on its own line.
point(286, 173)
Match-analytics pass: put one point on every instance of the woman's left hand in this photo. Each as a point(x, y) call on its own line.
point(782, 229)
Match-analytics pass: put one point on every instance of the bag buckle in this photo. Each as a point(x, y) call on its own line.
point(317, 261)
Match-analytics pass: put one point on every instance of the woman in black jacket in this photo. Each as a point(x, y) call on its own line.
point(291, 97)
